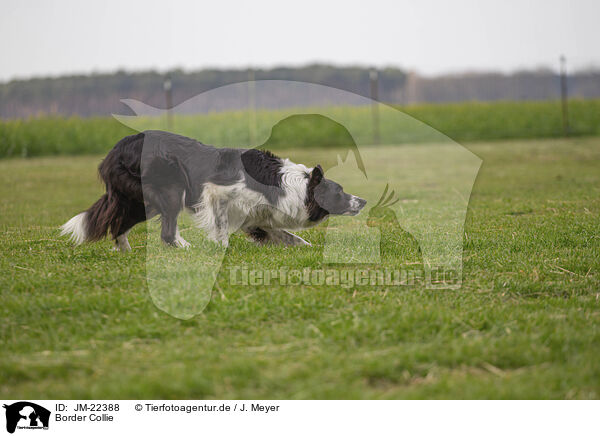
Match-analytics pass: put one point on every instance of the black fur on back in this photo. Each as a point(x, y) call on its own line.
point(263, 166)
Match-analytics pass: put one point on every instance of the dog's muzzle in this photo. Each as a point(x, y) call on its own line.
point(356, 204)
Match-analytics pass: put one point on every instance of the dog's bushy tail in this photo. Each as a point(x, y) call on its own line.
point(94, 223)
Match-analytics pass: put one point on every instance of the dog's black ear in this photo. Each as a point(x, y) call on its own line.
point(317, 175)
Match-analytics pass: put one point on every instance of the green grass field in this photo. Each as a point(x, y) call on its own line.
point(78, 322)
point(464, 122)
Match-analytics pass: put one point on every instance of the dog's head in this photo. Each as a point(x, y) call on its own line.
point(325, 197)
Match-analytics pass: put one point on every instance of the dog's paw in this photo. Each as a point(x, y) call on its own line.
point(181, 243)
point(121, 248)
point(223, 242)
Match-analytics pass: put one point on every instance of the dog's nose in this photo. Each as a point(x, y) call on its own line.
point(361, 202)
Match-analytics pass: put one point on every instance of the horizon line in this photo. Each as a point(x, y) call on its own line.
point(592, 68)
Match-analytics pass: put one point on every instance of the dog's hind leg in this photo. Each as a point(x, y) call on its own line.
point(168, 202)
point(179, 241)
point(168, 231)
point(122, 243)
point(134, 214)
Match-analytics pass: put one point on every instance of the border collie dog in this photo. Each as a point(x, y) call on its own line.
point(160, 173)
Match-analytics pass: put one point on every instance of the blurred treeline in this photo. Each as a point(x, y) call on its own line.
point(100, 94)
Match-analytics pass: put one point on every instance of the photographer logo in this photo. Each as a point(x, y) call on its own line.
point(24, 415)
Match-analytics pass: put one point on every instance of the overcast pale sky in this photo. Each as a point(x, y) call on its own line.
point(41, 38)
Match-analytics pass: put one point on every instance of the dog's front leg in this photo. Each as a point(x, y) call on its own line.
point(220, 231)
point(284, 237)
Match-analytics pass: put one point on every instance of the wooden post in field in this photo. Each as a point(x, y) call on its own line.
point(167, 86)
point(374, 80)
point(252, 107)
point(564, 95)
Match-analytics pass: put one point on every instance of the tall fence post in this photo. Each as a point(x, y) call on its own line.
point(252, 107)
point(167, 86)
point(564, 95)
point(374, 80)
